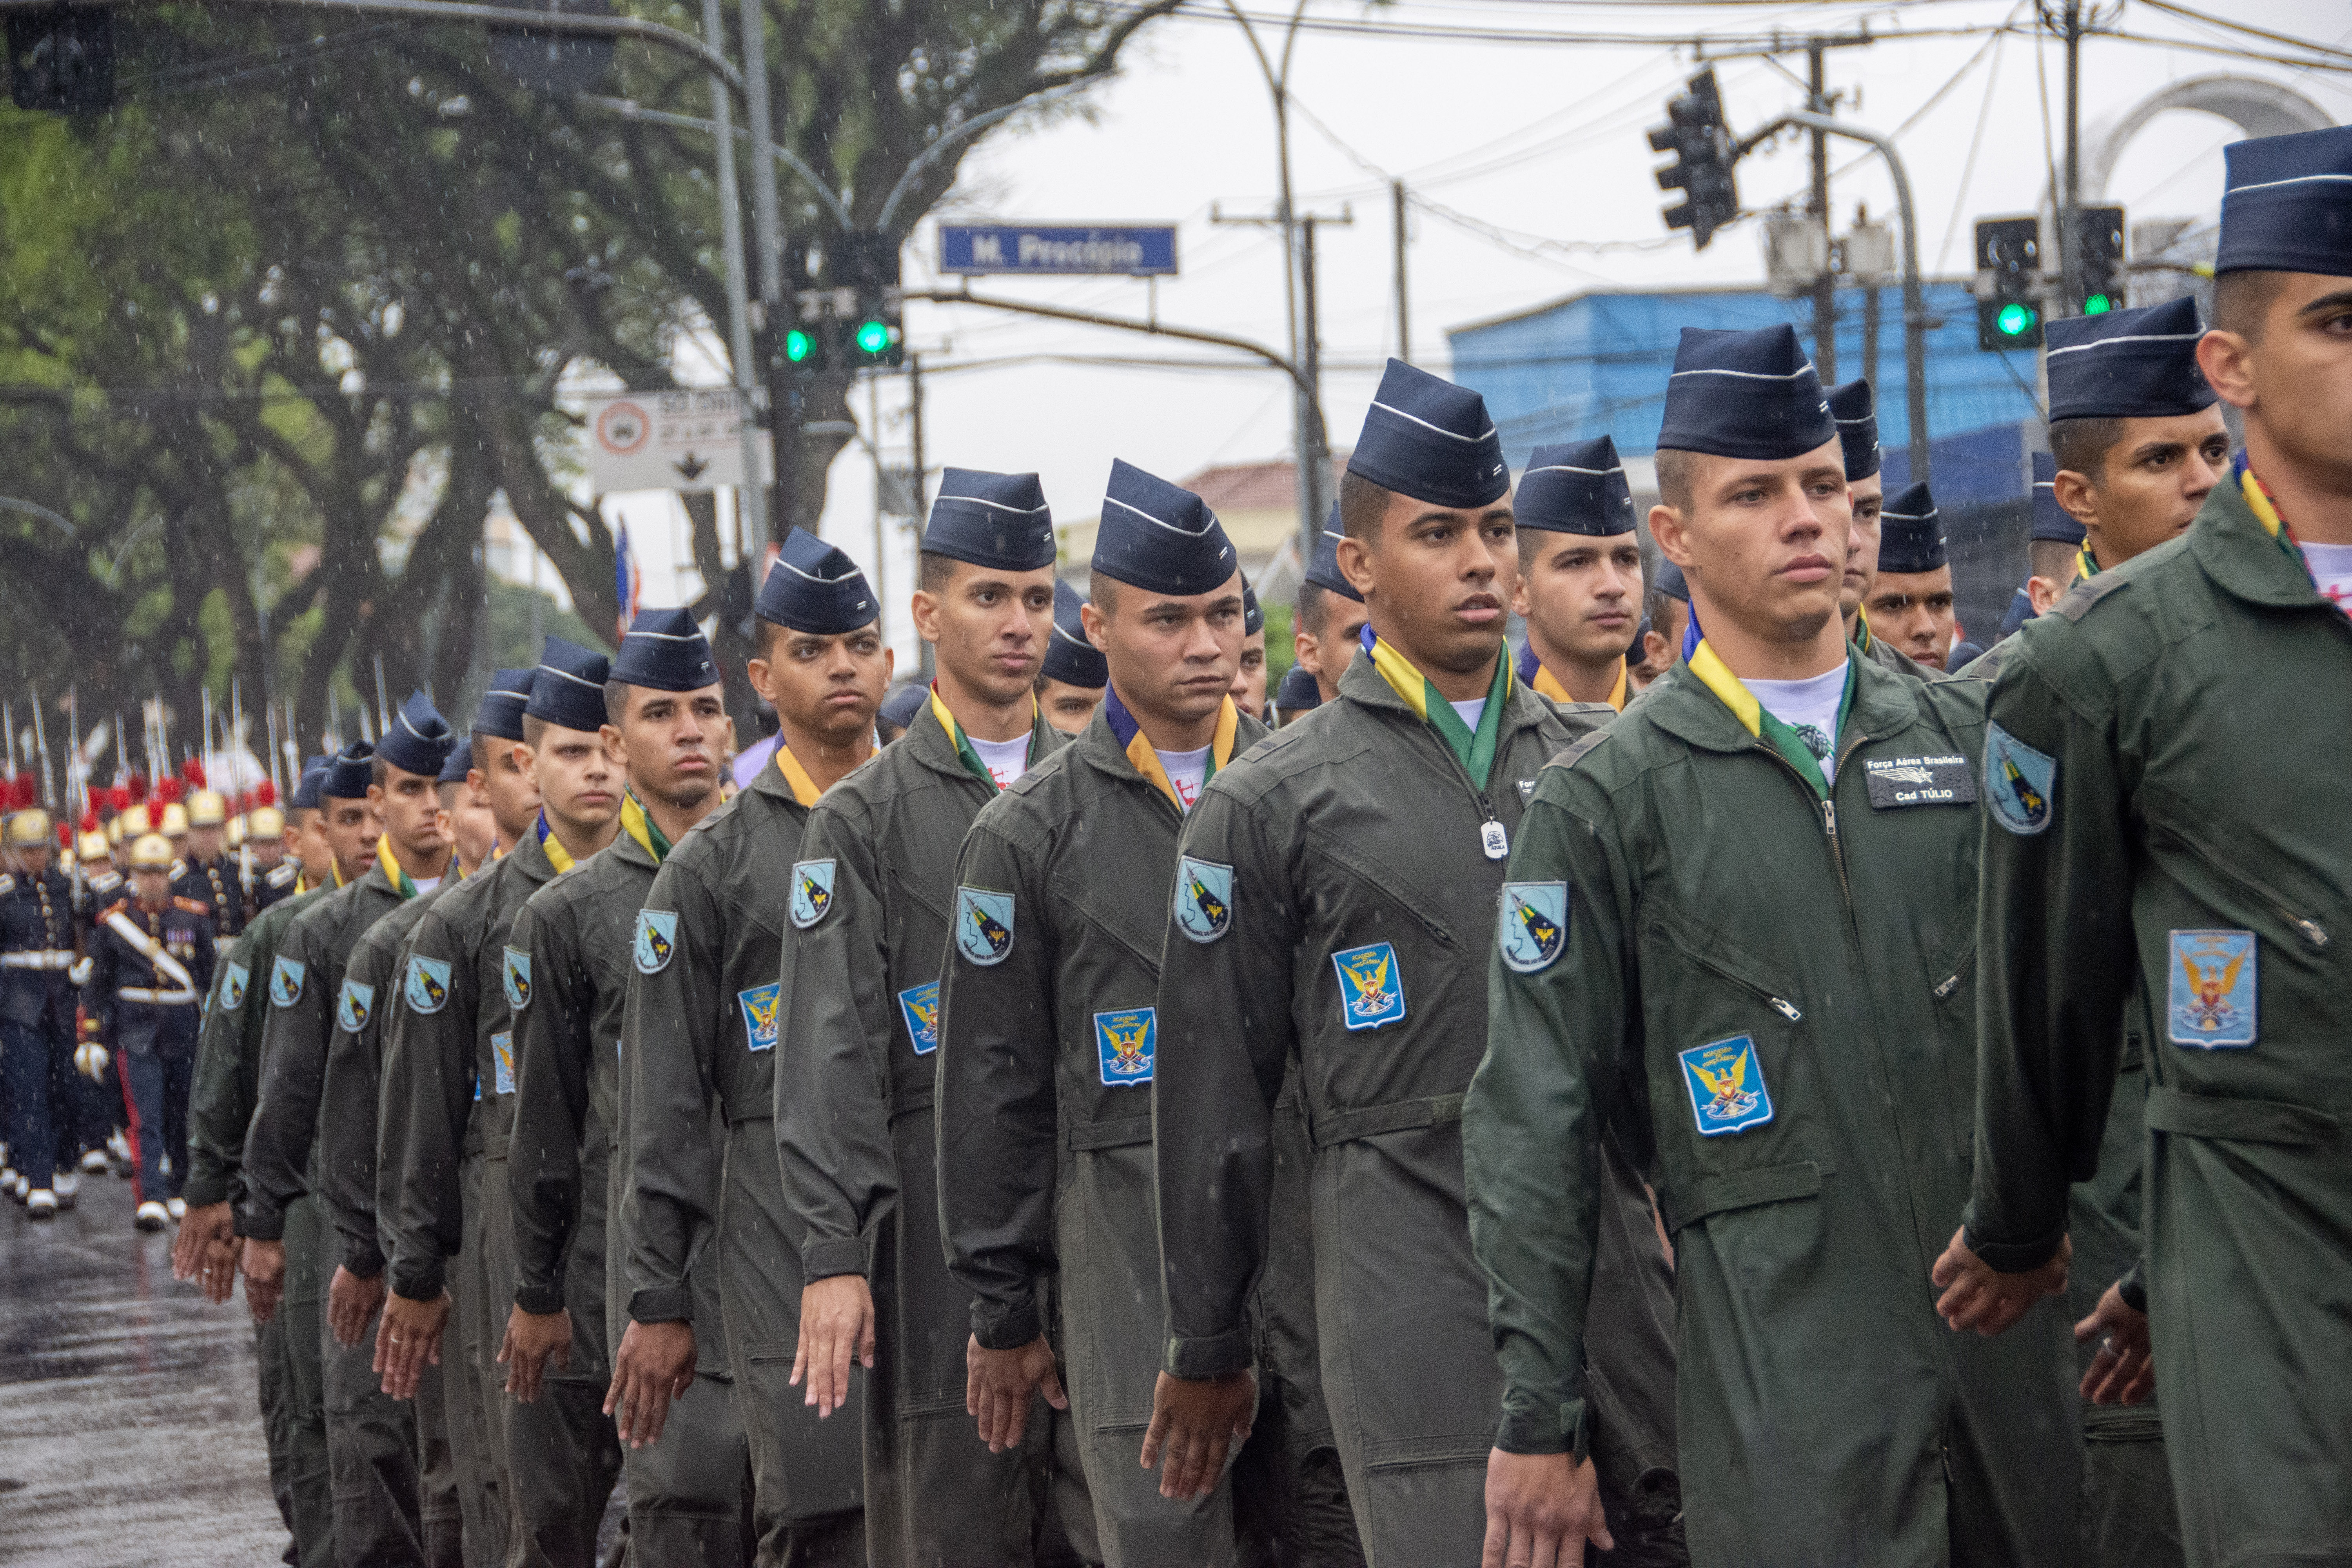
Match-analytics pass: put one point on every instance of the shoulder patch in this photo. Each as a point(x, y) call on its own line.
point(351, 1012)
point(518, 978)
point(1204, 898)
point(812, 893)
point(2076, 602)
point(983, 925)
point(234, 977)
point(1531, 924)
point(2019, 782)
point(286, 981)
point(427, 990)
point(657, 940)
point(759, 1004)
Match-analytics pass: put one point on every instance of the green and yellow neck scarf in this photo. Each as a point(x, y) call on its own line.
point(1476, 751)
point(1709, 667)
point(393, 872)
point(970, 758)
point(638, 824)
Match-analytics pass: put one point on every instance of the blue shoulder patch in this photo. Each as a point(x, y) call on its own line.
point(2019, 782)
point(427, 990)
point(983, 925)
point(286, 981)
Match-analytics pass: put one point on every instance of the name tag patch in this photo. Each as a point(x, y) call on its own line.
point(1125, 1039)
point(1918, 781)
point(920, 1005)
point(518, 980)
point(2210, 1005)
point(427, 990)
point(983, 925)
point(1531, 925)
point(502, 1061)
point(1371, 992)
point(2018, 780)
point(759, 1005)
point(351, 1012)
point(1726, 1087)
point(286, 981)
point(1204, 898)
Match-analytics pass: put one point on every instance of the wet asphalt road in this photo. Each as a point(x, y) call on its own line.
point(130, 1433)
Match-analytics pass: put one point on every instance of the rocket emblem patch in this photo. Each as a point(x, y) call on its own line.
point(427, 990)
point(657, 940)
point(233, 980)
point(351, 1012)
point(759, 1004)
point(2210, 1004)
point(1726, 1087)
point(502, 1061)
point(920, 1005)
point(286, 981)
point(812, 893)
point(1531, 925)
point(1204, 898)
point(518, 975)
point(1125, 1039)
point(2018, 780)
point(1371, 992)
point(983, 925)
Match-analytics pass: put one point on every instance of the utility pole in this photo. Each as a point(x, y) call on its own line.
point(915, 418)
point(2070, 23)
point(1817, 206)
point(1403, 300)
point(1312, 444)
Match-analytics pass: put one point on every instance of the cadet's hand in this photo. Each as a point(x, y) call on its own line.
point(533, 1339)
point(205, 1251)
point(352, 1301)
point(654, 1366)
point(1540, 1511)
point(265, 1276)
point(1197, 1420)
point(999, 1385)
point(1978, 1296)
point(409, 1340)
point(837, 1323)
point(2124, 1372)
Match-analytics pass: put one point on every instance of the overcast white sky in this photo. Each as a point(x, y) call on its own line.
point(1535, 151)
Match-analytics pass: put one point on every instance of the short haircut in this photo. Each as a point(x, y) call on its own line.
point(2081, 446)
point(1314, 608)
point(1656, 607)
point(1675, 479)
point(1362, 506)
point(533, 727)
point(616, 702)
point(447, 789)
point(2241, 300)
point(484, 746)
point(933, 571)
point(1102, 592)
point(379, 772)
point(2052, 560)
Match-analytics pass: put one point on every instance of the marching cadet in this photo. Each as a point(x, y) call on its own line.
point(1774, 1017)
point(1249, 681)
point(1910, 604)
point(2149, 844)
point(1047, 1029)
point(898, 711)
point(1855, 410)
point(36, 1019)
point(151, 965)
point(1329, 615)
point(275, 871)
point(447, 1107)
point(567, 963)
point(1070, 686)
point(1330, 889)
point(1580, 572)
point(1298, 696)
point(422, 1501)
point(206, 872)
point(705, 1215)
point(306, 841)
point(1670, 608)
point(872, 893)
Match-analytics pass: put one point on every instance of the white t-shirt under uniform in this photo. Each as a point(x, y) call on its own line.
point(1005, 760)
point(1809, 707)
point(1187, 772)
point(2331, 569)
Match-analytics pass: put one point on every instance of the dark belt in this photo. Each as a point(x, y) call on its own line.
point(2238, 1121)
point(1117, 1135)
point(1370, 1120)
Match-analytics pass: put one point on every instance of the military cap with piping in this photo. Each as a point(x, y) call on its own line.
point(2020, 611)
point(306, 788)
point(815, 588)
point(460, 763)
point(2127, 364)
point(1575, 486)
point(2051, 520)
point(2286, 203)
point(999, 520)
point(418, 740)
point(1298, 692)
point(1324, 569)
point(1070, 659)
point(568, 691)
point(500, 714)
point(1160, 537)
point(1671, 581)
point(1253, 613)
point(1749, 395)
point(1430, 439)
point(665, 650)
point(347, 774)
point(1855, 410)
point(1911, 533)
point(899, 709)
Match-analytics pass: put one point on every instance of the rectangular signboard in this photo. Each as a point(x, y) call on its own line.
point(975, 249)
point(683, 440)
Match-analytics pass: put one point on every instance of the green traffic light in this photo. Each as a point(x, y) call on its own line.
point(2098, 305)
point(873, 337)
point(2015, 320)
point(798, 345)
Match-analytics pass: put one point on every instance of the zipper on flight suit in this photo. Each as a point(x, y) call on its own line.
point(2311, 930)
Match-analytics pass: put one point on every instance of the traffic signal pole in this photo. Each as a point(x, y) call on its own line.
point(1817, 204)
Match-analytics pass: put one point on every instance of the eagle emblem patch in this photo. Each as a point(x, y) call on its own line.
point(427, 990)
point(812, 893)
point(657, 940)
point(920, 1005)
point(1125, 1040)
point(1204, 898)
point(233, 980)
point(983, 925)
point(286, 980)
point(352, 1011)
point(759, 1004)
point(518, 975)
point(1726, 1087)
point(2211, 996)
point(2018, 782)
point(1532, 925)
point(1371, 992)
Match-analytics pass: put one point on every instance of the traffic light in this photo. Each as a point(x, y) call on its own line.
point(2099, 259)
point(869, 267)
point(803, 346)
point(1695, 134)
point(2009, 280)
point(62, 62)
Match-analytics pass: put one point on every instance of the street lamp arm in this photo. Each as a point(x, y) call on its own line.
point(630, 108)
point(33, 509)
point(955, 137)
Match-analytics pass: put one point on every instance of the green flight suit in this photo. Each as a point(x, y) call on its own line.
point(686, 1492)
point(872, 892)
point(1044, 1113)
point(1763, 997)
point(2184, 723)
point(697, 1102)
point(1356, 864)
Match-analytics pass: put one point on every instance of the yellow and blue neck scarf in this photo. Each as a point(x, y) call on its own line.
point(639, 826)
point(557, 855)
point(1705, 664)
point(1141, 752)
point(970, 758)
point(1540, 681)
point(1476, 751)
point(803, 787)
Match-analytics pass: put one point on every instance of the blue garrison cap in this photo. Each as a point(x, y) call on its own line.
point(1745, 395)
point(2286, 203)
point(306, 788)
point(1577, 487)
point(1160, 537)
point(1671, 581)
point(1964, 653)
point(1298, 692)
point(1430, 439)
point(2051, 520)
point(899, 709)
point(460, 763)
point(2020, 611)
point(815, 588)
point(1253, 613)
point(418, 740)
point(999, 520)
point(665, 650)
point(2127, 364)
point(348, 771)
point(1856, 412)
point(500, 714)
point(1911, 533)
point(1070, 659)
point(568, 688)
point(1324, 569)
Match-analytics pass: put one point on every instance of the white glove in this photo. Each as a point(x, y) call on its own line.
point(89, 1059)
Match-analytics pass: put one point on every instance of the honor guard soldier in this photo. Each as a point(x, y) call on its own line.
point(151, 965)
point(567, 965)
point(1070, 686)
point(1580, 572)
point(1775, 1017)
point(275, 871)
point(1331, 890)
point(1910, 605)
point(873, 907)
point(1249, 683)
point(38, 1044)
point(1330, 616)
point(447, 1111)
point(1046, 1023)
point(2148, 843)
point(207, 873)
point(712, 1277)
